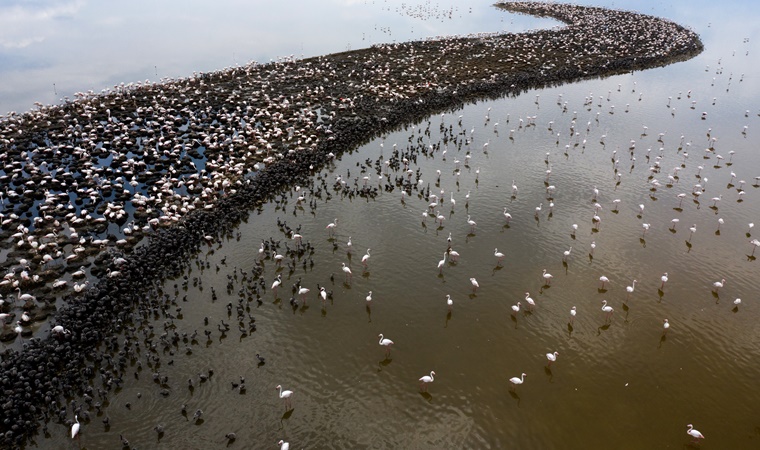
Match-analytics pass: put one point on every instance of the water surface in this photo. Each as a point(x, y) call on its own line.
point(618, 383)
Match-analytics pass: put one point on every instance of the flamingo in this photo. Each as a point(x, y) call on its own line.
point(566, 254)
point(538, 208)
point(283, 445)
point(607, 309)
point(641, 209)
point(449, 301)
point(552, 357)
point(441, 263)
point(517, 380)
point(694, 433)
point(604, 280)
point(285, 395)
point(425, 380)
point(369, 298)
point(323, 294)
point(499, 256)
point(331, 227)
point(475, 284)
point(665, 326)
point(472, 224)
point(575, 228)
point(573, 312)
point(25, 297)
point(365, 258)
point(347, 271)
point(631, 288)
point(680, 196)
point(597, 221)
point(593, 246)
point(516, 308)
point(507, 216)
point(302, 291)
point(664, 279)
point(514, 188)
point(718, 284)
point(350, 245)
point(646, 228)
point(385, 343)
point(529, 301)
point(674, 222)
point(547, 277)
point(276, 284)
point(75, 427)
point(755, 244)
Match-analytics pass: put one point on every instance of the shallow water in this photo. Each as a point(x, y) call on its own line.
point(617, 383)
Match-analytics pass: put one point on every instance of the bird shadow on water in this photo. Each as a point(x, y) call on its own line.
point(604, 327)
point(384, 363)
point(448, 317)
point(287, 414)
point(513, 394)
point(643, 242)
point(426, 395)
point(663, 338)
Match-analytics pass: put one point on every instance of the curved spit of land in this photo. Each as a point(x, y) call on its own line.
point(175, 164)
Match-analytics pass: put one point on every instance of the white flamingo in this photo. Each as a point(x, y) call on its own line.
point(607, 309)
point(425, 380)
point(517, 380)
point(285, 395)
point(385, 343)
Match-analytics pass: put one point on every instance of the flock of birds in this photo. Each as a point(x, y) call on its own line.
point(114, 166)
point(457, 148)
point(397, 173)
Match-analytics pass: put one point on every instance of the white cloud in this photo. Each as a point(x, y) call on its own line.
point(21, 43)
point(26, 23)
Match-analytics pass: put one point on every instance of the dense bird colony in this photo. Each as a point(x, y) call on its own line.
point(173, 166)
